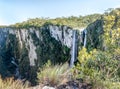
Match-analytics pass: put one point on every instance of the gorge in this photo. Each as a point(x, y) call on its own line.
point(24, 50)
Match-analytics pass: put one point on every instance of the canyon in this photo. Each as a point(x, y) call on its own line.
point(23, 50)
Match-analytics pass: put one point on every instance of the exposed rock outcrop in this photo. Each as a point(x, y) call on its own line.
point(32, 47)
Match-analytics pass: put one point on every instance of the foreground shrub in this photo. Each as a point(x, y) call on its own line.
point(53, 75)
point(99, 68)
point(10, 83)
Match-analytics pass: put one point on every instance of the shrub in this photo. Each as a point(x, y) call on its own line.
point(52, 74)
point(98, 68)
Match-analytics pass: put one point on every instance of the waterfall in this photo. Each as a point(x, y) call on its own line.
point(73, 49)
point(17, 73)
point(85, 37)
point(74, 44)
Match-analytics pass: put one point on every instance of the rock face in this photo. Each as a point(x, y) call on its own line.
point(62, 34)
point(94, 35)
point(32, 47)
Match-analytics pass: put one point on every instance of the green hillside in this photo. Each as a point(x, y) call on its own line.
point(75, 22)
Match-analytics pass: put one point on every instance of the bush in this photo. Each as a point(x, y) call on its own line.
point(52, 75)
point(98, 68)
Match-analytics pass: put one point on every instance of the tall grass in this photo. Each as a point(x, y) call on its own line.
point(53, 75)
point(10, 83)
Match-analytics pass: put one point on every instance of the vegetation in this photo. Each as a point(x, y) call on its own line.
point(53, 75)
point(10, 83)
point(98, 66)
point(105, 31)
point(75, 22)
point(98, 63)
point(101, 66)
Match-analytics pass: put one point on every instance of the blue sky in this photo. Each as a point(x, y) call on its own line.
point(12, 11)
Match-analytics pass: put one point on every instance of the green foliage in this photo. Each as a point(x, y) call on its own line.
point(76, 22)
point(105, 33)
point(100, 84)
point(111, 28)
point(52, 74)
point(111, 85)
point(98, 66)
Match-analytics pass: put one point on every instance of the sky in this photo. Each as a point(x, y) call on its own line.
point(13, 11)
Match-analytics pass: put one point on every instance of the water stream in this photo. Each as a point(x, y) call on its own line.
point(85, 37)
point(74, 45)
point(73, 50)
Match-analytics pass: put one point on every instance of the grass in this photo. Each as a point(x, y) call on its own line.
point(10, 83)
point(100, 84)
point(53, 75)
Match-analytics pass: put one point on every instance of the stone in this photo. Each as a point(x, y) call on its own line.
point(47, 87)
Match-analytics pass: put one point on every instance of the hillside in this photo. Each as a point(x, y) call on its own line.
point(74, 22)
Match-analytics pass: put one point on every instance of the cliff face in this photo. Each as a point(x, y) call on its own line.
point(94, 35)
point(26, 38)
point(31, 48)
point(104, 33)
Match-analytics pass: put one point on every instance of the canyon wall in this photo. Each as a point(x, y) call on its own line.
point(31, 48)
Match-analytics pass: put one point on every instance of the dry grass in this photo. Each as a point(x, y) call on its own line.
point(10, 83)
point(53, 75)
